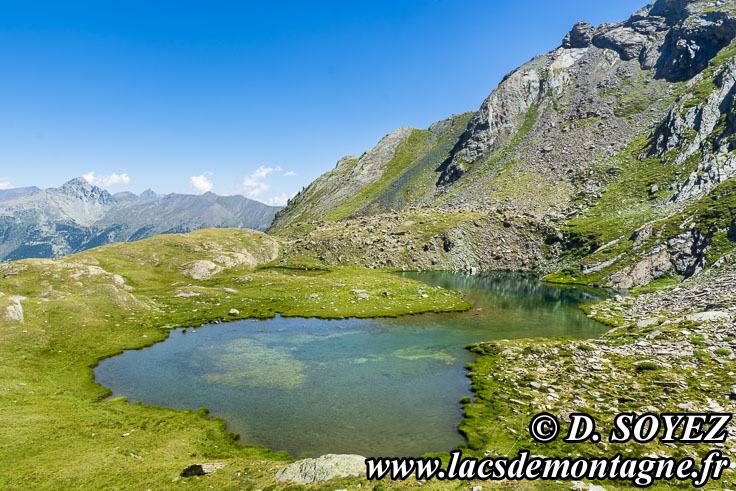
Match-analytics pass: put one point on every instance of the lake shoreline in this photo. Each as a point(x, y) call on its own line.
point(504, 301)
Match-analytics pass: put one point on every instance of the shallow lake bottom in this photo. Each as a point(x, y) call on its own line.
point(374, 387)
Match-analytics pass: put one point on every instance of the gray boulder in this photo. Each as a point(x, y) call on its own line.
point(625, 41)
point(579, 37)
point(324, 468)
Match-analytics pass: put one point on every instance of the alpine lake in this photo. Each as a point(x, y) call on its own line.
point(388, 387)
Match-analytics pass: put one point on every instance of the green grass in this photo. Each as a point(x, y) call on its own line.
point(638, 98)
point(627, 204)
point(479, 168)
point(408, 154)
point(646, 366)
point(700, 92)
point(59, 431)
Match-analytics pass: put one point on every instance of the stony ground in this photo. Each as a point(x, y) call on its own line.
point(671, 350)
point(423, 239)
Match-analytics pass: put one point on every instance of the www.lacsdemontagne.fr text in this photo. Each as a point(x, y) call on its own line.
point(641, 472)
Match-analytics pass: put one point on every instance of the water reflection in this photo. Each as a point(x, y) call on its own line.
point(367, 386)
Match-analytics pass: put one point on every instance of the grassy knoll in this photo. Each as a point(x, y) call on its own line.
point(56, 428)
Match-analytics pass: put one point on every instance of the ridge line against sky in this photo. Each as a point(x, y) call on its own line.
point(246, 98)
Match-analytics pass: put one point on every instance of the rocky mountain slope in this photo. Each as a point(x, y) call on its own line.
point(608, 160)
point(77, 216)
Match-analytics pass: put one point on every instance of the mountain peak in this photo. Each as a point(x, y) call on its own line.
point(78, 182)
point(82, 189)
point(149, 194)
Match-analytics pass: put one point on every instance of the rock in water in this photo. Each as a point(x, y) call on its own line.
point(322, 468)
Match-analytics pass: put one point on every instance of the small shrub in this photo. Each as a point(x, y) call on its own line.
point(647, 365)
point(701, 355)
point(697, 340)
point(722, 352)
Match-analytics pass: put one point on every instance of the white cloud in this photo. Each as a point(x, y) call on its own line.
point(108, 180)
point(5, 185)
point(202, 182)
point(263, 171)
point(280, 200)
point(254, 185)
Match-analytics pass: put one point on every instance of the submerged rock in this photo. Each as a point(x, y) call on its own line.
point(322, 468)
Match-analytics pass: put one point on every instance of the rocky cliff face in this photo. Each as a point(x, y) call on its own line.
point(78, 216)
point(623, 127)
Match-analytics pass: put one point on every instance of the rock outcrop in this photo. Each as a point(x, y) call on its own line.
point(321, 469)
point(13, 310)
point(578, 147)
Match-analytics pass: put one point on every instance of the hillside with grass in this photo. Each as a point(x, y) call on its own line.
point(610, 161)
point(60, 317)
point(596, 163)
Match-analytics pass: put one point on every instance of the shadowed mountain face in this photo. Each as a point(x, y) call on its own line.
point(611, 157)
point(77, 216)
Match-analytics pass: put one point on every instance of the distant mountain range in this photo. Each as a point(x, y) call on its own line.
point(77, 216)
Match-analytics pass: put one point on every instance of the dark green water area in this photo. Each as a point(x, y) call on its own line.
point(374, 387)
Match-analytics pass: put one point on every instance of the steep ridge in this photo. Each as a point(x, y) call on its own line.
point(599, 160)
point(385, 178)
point(78, 216)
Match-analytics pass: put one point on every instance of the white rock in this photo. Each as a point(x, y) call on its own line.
point(322, 469)
point(714, 316)
point(14, 311)
point(201, 270)
point(652, 321)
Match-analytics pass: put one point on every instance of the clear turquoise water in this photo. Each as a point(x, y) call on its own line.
point(375, 387)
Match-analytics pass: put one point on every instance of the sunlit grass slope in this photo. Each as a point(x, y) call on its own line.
point(58, 318)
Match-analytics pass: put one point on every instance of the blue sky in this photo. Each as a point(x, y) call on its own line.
point(251, 98)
